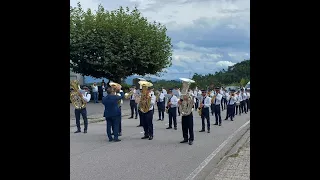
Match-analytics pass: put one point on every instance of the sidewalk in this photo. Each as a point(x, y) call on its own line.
point(236, 166)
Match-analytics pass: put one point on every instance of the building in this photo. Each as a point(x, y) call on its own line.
point(75, 76)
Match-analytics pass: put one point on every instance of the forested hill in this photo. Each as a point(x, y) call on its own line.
point(238, 75)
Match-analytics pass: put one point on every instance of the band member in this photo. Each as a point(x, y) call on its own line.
point(212, 93)
point(138, 103)
point(231, 99)
point(217, 110)
point(223, 100)
point(161, 105)
point(172, 110)
point(195, 93)
point(248, 99)
point(243, 102)
point(205, 114)
point(120, 123)
point(112, 111)
point(239, 99)
point(187, 121)
point(152, 94)
point(147, 117)
point(83, 111)
point(95, 92)
point(133, 104)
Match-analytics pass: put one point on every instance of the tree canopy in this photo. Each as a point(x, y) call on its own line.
point(117, 44)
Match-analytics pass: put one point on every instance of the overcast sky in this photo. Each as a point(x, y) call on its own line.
point(207, 35)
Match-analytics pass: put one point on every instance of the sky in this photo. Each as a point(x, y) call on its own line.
point(207, 35)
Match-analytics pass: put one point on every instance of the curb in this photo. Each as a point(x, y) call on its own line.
point(95, 120)
point(212, 165)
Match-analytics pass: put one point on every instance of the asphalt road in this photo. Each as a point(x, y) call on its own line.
point(92, 157)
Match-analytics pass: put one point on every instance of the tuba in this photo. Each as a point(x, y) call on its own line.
point(114, 88)
point(145, 99)
point(187, 104)
point(77, 100)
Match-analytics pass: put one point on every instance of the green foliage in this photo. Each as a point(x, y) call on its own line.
point(117, 44)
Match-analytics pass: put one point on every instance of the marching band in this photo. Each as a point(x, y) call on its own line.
point(184, 102)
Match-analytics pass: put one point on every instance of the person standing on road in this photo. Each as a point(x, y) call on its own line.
point(112, 112)
point(86, 96)
point(239, 99)
point(95, 92)
point(205, 114)
point(248, 99)
point(187, 119)
point(161, 105)
point(243, 102)
point(217, 110)
point(172, 110)
point(120, 124)
point(147, 117)
point(231, 99)
point(133, 104)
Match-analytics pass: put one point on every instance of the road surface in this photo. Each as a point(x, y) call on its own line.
point(92, 157)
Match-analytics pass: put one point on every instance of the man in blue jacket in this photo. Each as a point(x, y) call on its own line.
point(112, 112)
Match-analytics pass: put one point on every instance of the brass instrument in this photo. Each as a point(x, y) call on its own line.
point(115, 87)
point(128, 95)
point(200, 110)
point(76, 99)
point(213, 98)
point(157, 94)
point(187, 104)
point(145, 99)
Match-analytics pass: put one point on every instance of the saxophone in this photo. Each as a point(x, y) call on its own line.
point(77, 100)
point(187, 104)
point(145, 100)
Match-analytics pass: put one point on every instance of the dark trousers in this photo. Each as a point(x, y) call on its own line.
point(172, 116)
point(230, 111)
point(178, 110)
point(196, 104)
point(248, 104)
point(95, 97)
point(217, 113)
point(120, 128)
point(187, 126)
point(83, 112)
point(147, 123)
point(222, 103)
point(161, 107)
point(113, 122)
point(238, 107)
point(243, 106)
point(140, 118)
point(212, 109)
point(205, 115)
point(134, 109)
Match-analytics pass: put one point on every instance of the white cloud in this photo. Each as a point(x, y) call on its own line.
point(208, 35)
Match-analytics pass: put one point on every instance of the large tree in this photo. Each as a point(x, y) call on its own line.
point(117, 44)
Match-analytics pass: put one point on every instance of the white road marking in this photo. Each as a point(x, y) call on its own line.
point(214, 153)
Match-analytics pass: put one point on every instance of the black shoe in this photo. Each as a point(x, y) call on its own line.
point(219, 124)
point(175, 128)
point(139, 125)
point(159, 120)
point(130, 117)
point(110, 140)
point(112, 133)
point(226, 119)
point(202, 130)
point(117, 140)
point(184, 141)
point(136, 117)
point(85, 131)
point(77, 131)
point(190, 142)
point(169, 128)
point(150, 137)
point(208, 131)
point(120, 134)
point(215, 124)
point(145, 137)
point(231, 119)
